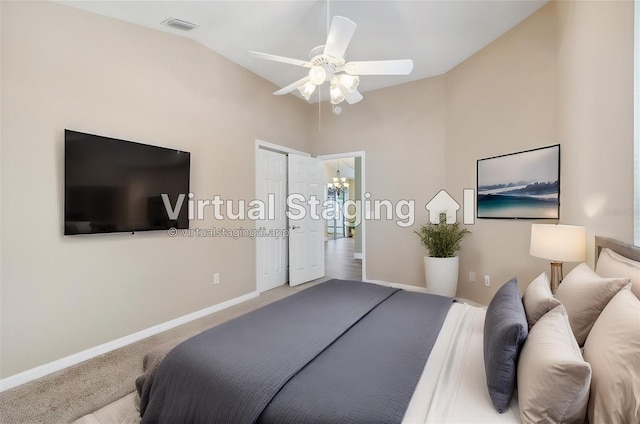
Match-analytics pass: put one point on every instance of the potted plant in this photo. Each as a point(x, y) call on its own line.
point(442, 240)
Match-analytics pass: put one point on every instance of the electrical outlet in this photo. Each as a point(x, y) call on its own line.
point(472, 276)
point(487, 280)
point(216, 278)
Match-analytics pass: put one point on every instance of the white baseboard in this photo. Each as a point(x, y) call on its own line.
point(76, 358)
point(357, 255)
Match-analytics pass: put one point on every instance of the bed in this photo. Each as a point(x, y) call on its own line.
point(403, 357)
point(452, 377)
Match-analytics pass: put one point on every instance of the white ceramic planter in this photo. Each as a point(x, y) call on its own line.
point(441, 275)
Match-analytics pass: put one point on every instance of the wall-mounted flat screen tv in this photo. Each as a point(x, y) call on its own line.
point(114, 185)
point(523, 185)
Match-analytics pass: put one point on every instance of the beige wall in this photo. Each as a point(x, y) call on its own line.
point(595, 116)
point(64, 68)
point(637, 126)
point(501, 100)
point(564, 75)
point(1, 167)
point(402, 131)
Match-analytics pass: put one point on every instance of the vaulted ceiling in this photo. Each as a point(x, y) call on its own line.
point(436, 35)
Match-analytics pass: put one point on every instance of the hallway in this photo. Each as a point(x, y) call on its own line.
point(339, 261)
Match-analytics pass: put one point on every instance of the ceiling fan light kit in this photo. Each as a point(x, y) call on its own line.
point(337, 96)
point(328, 64)
point(307, 89)
point(350, 82)
point(317, 75)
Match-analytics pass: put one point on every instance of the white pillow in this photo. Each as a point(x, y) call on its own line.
point(613, 350)
point(553, 378)
point(611, 264)
point(584, 295)
point(538, 299)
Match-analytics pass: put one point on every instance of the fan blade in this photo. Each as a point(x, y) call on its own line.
point(339, 37)
point(289, 88)
point(380, 67)
point(282, 59)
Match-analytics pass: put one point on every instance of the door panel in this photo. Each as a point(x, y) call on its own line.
point(272, 254)
point(306, 235)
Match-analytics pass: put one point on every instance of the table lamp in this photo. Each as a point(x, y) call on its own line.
point(558, 243)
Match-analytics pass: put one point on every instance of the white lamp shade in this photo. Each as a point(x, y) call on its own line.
point(350, 82)
point(307, 89)
point(561, 243)
point(337, 96)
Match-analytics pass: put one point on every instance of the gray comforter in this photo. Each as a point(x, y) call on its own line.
point(347, 352)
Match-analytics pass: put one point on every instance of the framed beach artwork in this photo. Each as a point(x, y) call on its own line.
point(523, 185)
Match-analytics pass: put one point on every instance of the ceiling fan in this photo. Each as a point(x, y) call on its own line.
point(327, 63)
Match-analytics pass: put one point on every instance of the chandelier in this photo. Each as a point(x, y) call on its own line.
point(339, 184)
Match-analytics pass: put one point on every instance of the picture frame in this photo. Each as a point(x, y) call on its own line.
point(521, 185)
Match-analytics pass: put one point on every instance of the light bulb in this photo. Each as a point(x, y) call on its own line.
point(350, 82)
point(317, 75)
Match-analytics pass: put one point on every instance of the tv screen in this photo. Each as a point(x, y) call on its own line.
point(118, 186)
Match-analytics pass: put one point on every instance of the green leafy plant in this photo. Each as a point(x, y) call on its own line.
point(442, 240)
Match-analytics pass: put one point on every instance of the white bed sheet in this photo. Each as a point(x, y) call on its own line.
point(453, 386)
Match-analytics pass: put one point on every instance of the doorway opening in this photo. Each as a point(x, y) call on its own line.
point(344, 230)
point(304, 252)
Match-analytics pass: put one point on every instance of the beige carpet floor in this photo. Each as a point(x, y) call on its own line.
point(69, 394)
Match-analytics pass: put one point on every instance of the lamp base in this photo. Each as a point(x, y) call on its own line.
point(556, 276)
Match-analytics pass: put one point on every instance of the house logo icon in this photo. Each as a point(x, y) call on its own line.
point(443, 202)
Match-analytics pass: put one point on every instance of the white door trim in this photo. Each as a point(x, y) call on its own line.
point(261, 144)
point(363, 190)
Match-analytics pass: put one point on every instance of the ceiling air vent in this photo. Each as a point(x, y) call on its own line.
point(180, 24)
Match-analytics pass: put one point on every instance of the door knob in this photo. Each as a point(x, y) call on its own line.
point(294, 227)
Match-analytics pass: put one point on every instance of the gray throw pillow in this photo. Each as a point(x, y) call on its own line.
point(505, 330)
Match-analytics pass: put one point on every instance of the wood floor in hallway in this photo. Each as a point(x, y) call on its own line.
point(339, 261)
